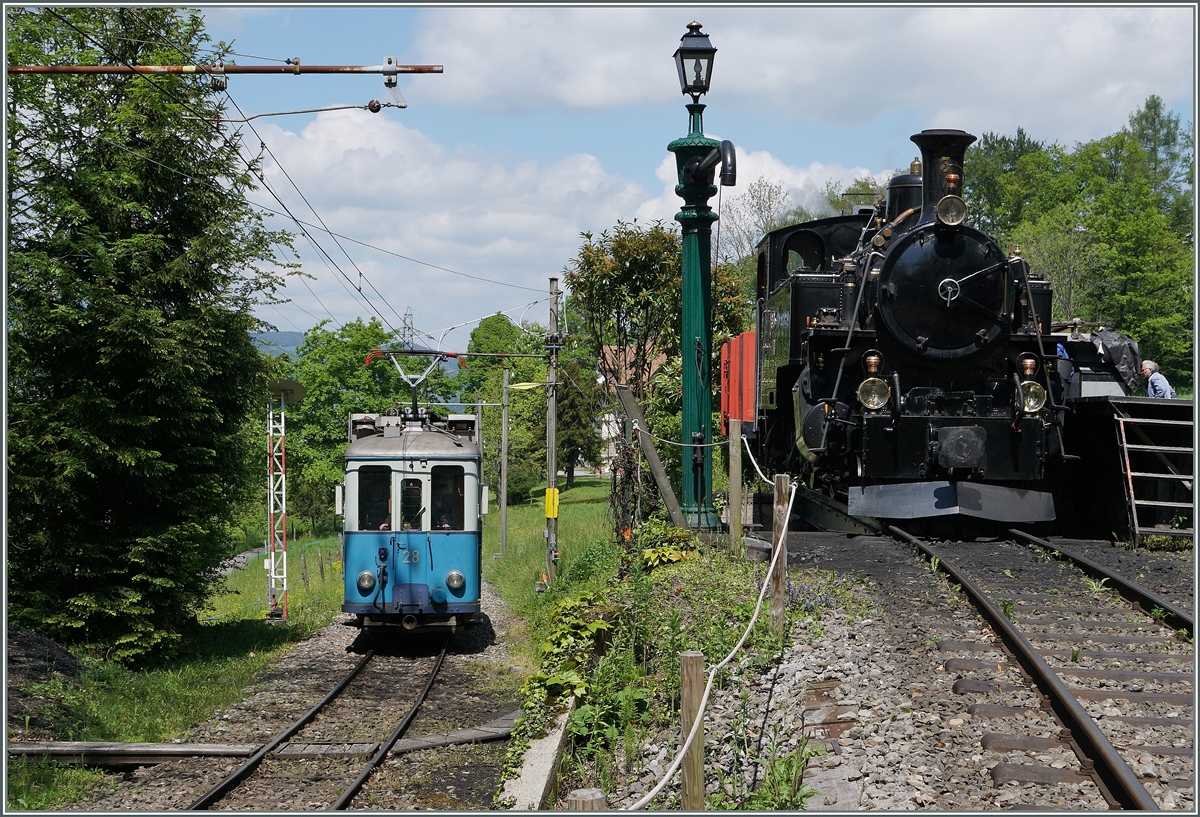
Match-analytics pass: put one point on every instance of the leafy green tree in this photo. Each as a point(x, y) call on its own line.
point(133, 264)
point(580, 405)
point(497, 335)
point(987, 165)
point(1170, 161)
point(1108, 221)
point(1061, 247)
point(627, 285)
point(863, 191)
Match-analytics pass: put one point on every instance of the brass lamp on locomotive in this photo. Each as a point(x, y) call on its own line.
point(904, 358)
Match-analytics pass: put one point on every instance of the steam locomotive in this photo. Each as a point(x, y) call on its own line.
point(904, 359)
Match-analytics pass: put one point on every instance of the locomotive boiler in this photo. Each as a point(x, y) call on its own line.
point(904, 361)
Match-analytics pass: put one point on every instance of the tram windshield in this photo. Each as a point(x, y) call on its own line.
point(411, 510)
point(447, 497)
point(374, 497)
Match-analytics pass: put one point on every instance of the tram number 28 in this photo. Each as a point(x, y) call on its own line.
point(411, 557)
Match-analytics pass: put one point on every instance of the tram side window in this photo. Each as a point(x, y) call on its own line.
point(411, 510)
point(374, 497)
point(447, 497)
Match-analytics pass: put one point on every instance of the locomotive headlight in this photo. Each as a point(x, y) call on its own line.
point(455, 580)
point(366, 582)
point(1028, 365)
point(874, 393)
point(951, 210)
point(1033, 397)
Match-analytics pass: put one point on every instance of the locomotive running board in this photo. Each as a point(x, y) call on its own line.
point(919, 500)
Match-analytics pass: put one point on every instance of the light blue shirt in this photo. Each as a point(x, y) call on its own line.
point(1157, 386)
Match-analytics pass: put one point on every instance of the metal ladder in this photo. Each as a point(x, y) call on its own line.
point(1157, 464)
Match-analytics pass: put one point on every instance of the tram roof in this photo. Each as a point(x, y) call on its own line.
point(414, 443)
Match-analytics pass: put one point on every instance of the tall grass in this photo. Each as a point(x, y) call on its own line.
point(212, 671)
point(586, 545)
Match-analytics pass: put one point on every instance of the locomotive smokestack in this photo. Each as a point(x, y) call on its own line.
point(942, 152)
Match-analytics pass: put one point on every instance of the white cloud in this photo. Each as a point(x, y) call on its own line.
point(1069, 70)
point(511, 209)
point(390, 186)
point(804, 184)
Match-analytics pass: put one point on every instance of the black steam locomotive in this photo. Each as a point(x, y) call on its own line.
point(905, 364)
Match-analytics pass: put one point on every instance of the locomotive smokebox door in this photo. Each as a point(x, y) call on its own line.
point(962, 447)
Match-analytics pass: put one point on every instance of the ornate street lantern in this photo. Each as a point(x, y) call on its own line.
point(694, 59)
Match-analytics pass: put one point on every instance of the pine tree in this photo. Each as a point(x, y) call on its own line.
point(133, 265)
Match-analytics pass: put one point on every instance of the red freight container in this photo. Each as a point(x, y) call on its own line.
point(738, 379)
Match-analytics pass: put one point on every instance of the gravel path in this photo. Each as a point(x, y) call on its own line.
point(877, 694)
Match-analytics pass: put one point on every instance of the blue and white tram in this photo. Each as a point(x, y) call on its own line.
point(414, 509)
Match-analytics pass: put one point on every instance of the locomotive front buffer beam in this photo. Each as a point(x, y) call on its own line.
point(918, 500)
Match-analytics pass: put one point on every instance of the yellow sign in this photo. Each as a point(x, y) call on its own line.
point(552, 503)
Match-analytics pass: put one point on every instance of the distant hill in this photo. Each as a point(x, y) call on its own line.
point(276, 343)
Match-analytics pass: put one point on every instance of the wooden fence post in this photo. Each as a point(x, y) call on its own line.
point(779, 540)
point(304, 571)
point(735, 485)
point(587, 800)
point(321, 563)
point(691, 689)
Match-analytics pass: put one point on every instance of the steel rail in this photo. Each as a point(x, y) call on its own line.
point(246, 769)
point(342, 802)
point(1115, 773)
point(1148, 600)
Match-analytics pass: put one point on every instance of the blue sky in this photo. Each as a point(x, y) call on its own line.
point(551, 121)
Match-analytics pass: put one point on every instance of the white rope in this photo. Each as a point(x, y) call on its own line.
point(673, 442)
point(752, 460)
point(780, 547)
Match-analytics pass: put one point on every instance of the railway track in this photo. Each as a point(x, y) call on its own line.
point(1111, 659)
point(314, 762)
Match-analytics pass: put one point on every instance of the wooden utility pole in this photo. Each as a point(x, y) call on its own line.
point(552, 346)
point(504, 461)
point(779, 542)
point(734, 508)
point(634, 413)
point(691, 690)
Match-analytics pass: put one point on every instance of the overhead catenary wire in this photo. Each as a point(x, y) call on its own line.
point(261, 177)
point(249, 165)
point(779, 548)
point(331, 233)
point(286, 212)
point(304, 198)
point(157, 87)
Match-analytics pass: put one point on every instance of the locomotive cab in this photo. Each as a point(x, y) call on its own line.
point(413, 516)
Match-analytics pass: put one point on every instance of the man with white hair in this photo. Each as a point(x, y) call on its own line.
point(1156, 382)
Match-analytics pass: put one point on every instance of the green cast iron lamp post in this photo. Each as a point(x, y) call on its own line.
point(696, 158)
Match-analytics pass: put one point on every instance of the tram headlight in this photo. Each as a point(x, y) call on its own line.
point(366, 582)
point(1033, 396)
point(455, 580)
point(874, 393)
